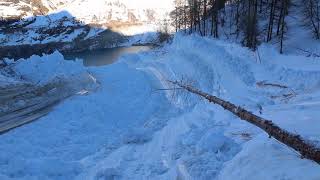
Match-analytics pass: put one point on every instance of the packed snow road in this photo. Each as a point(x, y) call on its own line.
point(126, 128)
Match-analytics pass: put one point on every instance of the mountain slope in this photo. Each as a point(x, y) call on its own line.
point(69, 23)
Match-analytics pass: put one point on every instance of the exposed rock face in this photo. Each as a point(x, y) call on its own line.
point(125, 11)
point(47, 25)
point(16, 9)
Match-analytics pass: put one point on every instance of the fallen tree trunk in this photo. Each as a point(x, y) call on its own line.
point(307, 150)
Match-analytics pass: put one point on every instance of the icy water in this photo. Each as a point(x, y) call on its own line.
point(104, 56)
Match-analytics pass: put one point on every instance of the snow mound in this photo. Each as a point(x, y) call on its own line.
point(48, 67)
point(278, 163)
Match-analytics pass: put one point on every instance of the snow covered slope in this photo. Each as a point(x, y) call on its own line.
point(97, 11)
point(105, 11)
point(127, 129)
point(71, 23)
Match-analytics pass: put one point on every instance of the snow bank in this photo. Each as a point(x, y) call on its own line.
point(203, 141)
point(48, 67)
point(6, 80)
point(128, 129)
point(232, 72)
point(279, 162)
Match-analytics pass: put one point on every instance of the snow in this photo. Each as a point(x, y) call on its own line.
point(127, 129)
point(44, 69)
point(124, 17)
point(6, 80)
point(8, 9)
point(35, 28)
point(259, 164)
point(109, 10)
